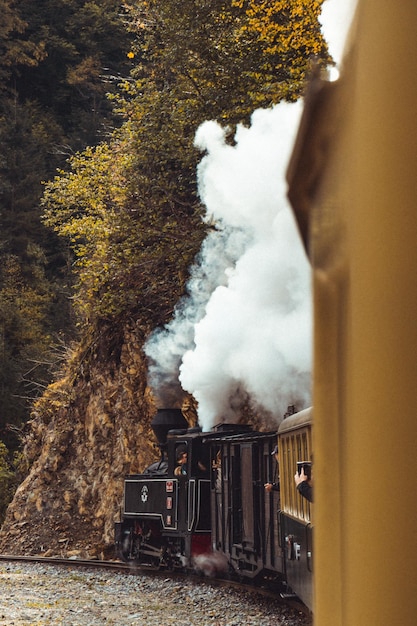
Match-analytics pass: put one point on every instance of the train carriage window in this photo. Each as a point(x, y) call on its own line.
point(295, 447)
point(181, 459)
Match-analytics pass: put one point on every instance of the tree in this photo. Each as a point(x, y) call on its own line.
point(59, 58)
point(84, 46)
point(25, 302)
point(228, 57)
point(14, 50)
point(284, 38)
point(6, 481)
point(130, 208)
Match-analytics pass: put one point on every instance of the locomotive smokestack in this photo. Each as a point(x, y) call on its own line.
point(166, 420)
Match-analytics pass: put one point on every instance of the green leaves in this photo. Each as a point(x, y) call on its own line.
point(130, 207)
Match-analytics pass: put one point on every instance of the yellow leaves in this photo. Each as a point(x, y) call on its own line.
point(286, 34)
point(273, 20)
point(83, 206)
point(129, 209)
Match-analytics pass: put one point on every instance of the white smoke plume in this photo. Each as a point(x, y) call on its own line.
point(245, 329)
point(211, 564)
point(165, 348)
point(336, 18)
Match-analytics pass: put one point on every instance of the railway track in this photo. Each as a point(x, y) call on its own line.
point(133, 568)
point(110, 565)
point(52, 591)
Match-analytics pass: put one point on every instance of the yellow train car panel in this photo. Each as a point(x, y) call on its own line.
point(295, 445)
point(353, 186)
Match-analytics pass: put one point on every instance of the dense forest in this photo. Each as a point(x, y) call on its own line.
point(99, 104)
point(59, 60)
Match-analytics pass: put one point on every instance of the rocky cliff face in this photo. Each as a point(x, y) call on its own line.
point(88, 430)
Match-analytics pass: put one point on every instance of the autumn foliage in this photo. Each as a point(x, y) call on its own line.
point(130, 207)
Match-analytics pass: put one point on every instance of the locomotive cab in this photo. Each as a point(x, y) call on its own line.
point(190, 442)
point(165, 519)
point(191, 487)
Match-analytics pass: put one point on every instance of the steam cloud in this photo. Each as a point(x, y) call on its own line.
point(336, 19)
point(243, 332)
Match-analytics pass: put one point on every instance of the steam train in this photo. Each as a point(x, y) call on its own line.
point(354, 172)
point(213, 513)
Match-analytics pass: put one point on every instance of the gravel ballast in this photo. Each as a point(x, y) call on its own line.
point(37, 595)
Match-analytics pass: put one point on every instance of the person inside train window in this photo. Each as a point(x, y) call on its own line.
point(275, 485)
point(303, 483)
point(181, 469)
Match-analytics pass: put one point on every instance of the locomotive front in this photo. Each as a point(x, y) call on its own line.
point(165, 520)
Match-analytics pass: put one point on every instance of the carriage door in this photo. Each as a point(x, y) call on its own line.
point(242, 468)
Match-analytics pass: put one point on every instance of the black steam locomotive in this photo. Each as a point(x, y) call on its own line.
point(204, 506)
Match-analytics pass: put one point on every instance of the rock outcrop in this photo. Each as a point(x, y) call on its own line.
point(88, 430)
